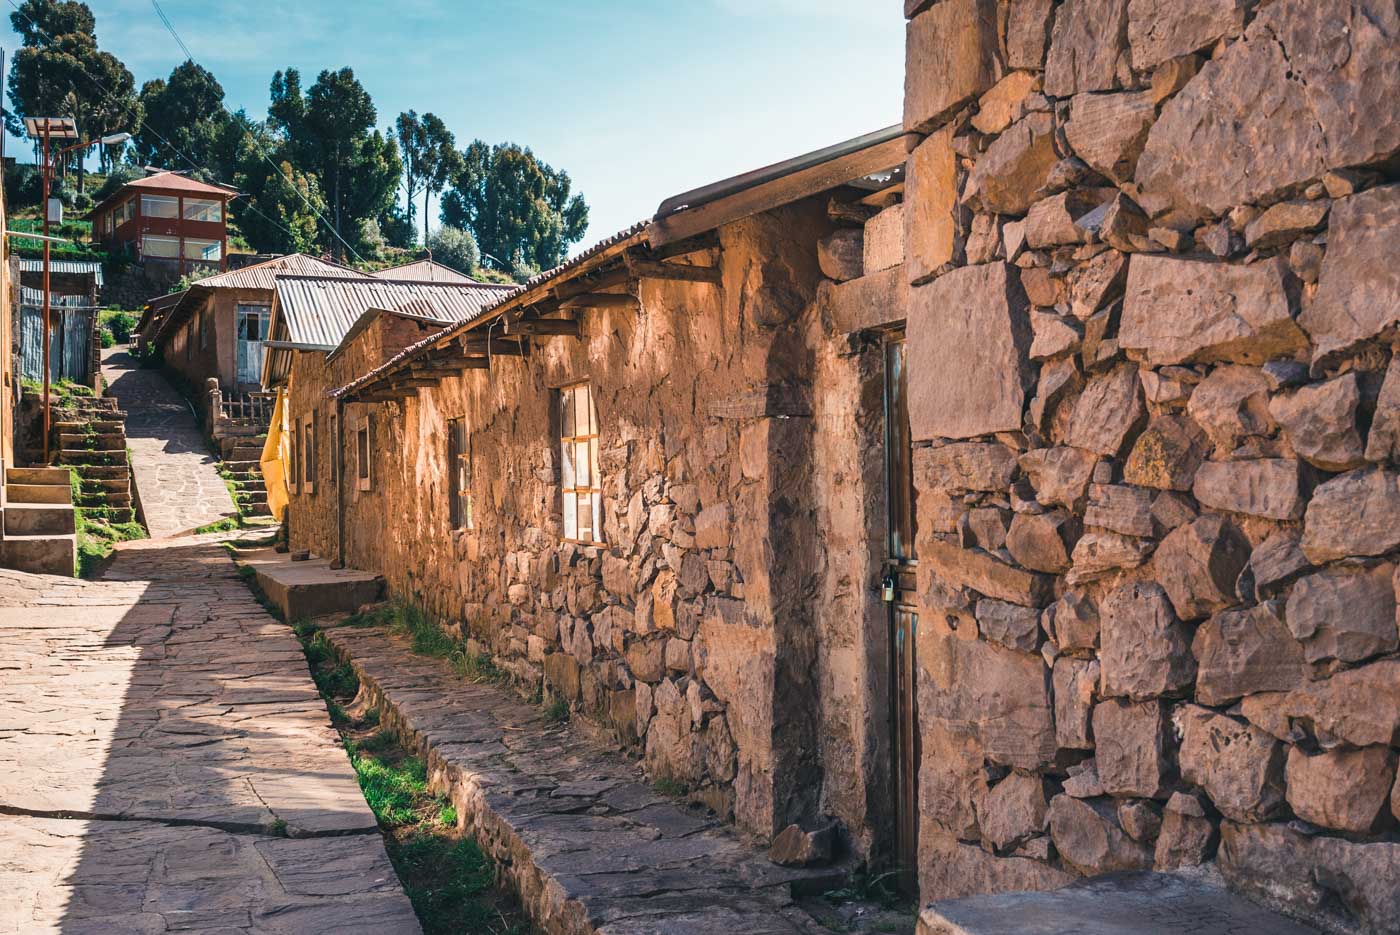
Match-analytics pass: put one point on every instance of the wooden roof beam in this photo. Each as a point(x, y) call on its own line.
point(601, 300)
point(548, 327)
point(652, 269)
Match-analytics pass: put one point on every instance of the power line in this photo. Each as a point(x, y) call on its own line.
point(258, 145)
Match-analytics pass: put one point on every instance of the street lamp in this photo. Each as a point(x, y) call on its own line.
point(48, 129)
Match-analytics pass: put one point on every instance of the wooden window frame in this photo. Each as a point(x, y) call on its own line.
point(571, 492)
point(294, 475)
point(150, 201)
point(334, 435)
point(308, 455)
point(459, 474)
point(364, 456)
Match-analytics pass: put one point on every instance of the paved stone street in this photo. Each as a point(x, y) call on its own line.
point(176, 480)
point(166, 763)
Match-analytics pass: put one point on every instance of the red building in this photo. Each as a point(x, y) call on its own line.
point(167, 219)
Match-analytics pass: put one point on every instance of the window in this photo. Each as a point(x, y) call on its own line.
point(309, 456)
point(459, 467)
point(362, 475)
point(204, 315)
point(205, 251)
point(125, 212)
point(162, 247)
point(334, 466)
point(160, 206)
point(203, 209)
point(583, 496)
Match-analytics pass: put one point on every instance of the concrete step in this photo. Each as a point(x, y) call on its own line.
point(39, 493)
point(105, 485)
point(39, 555)
point(257, 509)
point(113, 499)
point(302, 590)
point(235, 467)
point(39, 519)
point(112, 514)
point(246, 453)
point(95, 458)
point(36, 475)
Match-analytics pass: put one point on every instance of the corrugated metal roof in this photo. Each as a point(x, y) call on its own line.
point(264, 275)
point(64, 267)
point(35, 297)
point(423, 271)
point(319, 310)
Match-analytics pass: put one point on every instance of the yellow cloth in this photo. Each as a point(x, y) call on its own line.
point(273, 461)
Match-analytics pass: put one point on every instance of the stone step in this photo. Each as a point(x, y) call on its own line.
point(235, 467)
point(39, 519)
point(242, 476)
point(257, 509)
point(39, 555)
point(112, 514)
point(37, 475)
point(245, 453)
point(93, 458)
point(39, 493)
point(103, 471)
point(96, 442)
point(114, 499)
point(102, 485)
point(98, 425)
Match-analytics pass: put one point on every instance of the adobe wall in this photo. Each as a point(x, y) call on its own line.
point(1156, 407)
point(706, 633)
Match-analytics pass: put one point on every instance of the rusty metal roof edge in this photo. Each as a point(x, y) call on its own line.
point(369, 315)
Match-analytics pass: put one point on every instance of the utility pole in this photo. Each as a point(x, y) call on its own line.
point(48, 326)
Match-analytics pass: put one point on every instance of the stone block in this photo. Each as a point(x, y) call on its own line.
point(1354, 514)
point(1002, 104)
point(884, 239)
point(1087, 836)
point(1231, 405)
point(1130, 747)
point(1278, 109)
point(951, 57)
point(1060, 475)
point(1198, 564)
point(1188, 837)
point(1145, 648)
point(1107, 412)
point(841, 254)
point(1028, 33)
point(1242, 652)
point(1086, 44)
point(1346, 790)
point(984, 466)
point(1358, 706)
point(1043, 541)
point(1167, 454)
point(1108, 131)
point(968, 342)
point(1016, 167)
point(982, 572)
point(1238, 765)
point(933, 236)
point(1271, 487)
point(1178, 311)
point(1284, 222)
point(1012, 811)
point(1320, 422)
point(1161, 30)
point(1075, 682)
point(1075, 622)
point(1009, 625)
point(1120, 509)
point(1383, 443)
point(1345, 613)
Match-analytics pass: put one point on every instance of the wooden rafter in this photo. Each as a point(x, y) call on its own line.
point(601, 300)
point(652, 269)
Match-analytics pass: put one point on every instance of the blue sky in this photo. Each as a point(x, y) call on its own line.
point(637, 99)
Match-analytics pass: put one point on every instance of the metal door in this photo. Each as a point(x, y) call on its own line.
point(899, 589)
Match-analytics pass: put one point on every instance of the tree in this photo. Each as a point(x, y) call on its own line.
point(516, 206)
point(454, 247)
point(278, 213)
point(60, 71)
point(184, 119)
point(413, 146)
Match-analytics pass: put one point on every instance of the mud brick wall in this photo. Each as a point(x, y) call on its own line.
point(1152, 252)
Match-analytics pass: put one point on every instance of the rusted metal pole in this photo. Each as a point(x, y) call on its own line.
point(48, 326)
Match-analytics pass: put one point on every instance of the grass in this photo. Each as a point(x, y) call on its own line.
point(97, 534)
point(448, 878)
point(557, 711)
point(58, 389)
point(668, 786)
point(227, 524)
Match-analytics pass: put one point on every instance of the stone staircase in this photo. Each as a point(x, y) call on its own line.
point(89, 436)
point(242, 468)
point(40, 526)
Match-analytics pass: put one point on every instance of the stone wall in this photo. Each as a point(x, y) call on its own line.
point(718, 632)
point(1153, 309)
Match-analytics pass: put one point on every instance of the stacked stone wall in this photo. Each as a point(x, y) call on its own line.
point(1156, 408)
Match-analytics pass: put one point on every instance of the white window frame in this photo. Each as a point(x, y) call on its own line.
point(580, 486)
point(148, 239)
point(193, 245)
point(160, 204)
point(203, 209)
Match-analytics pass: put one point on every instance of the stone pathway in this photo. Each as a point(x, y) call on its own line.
point(167, 764)
point(587, 845)
point(176, 478)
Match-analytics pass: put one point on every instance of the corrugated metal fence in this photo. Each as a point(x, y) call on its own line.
point(70, 343)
